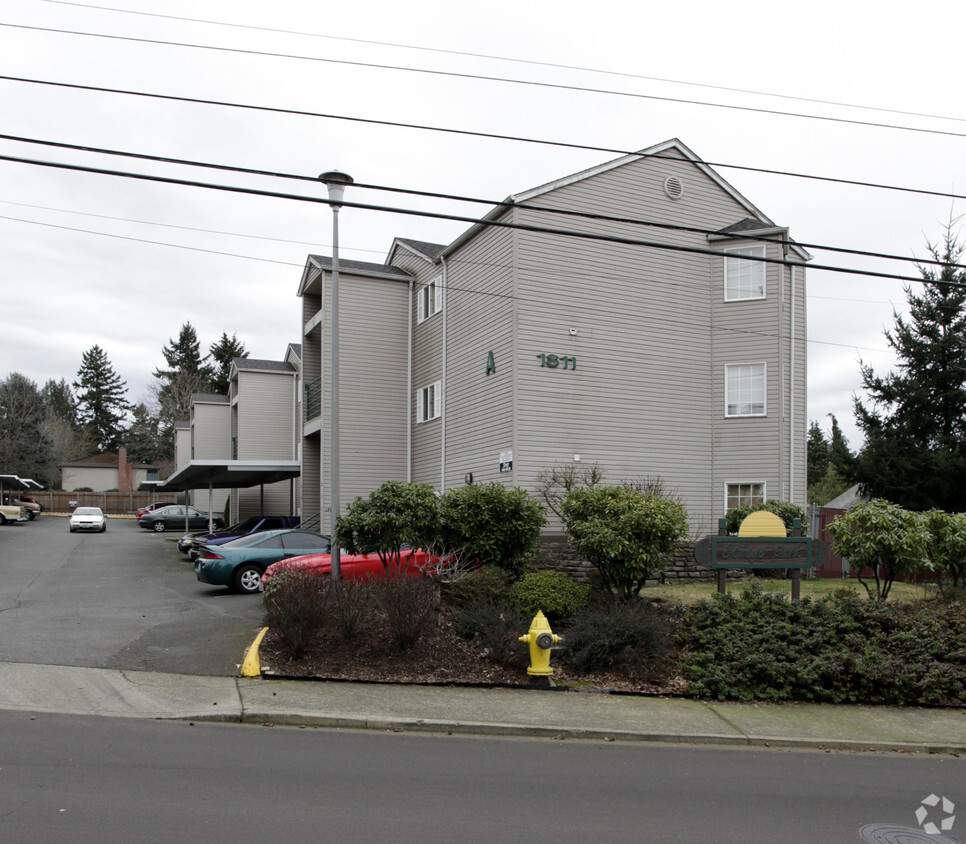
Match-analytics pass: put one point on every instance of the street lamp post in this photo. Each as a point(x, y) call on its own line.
point(336, 182)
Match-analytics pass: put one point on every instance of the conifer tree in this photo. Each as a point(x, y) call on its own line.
point(223, 353)
point(914, 419)
point(101, 399)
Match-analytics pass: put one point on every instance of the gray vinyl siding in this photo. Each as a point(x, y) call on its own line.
point(210, 438)
point(480, 318)
point(266, 415)
point(372, 383)
point(427, 369)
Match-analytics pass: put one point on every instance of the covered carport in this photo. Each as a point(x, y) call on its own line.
point(15, 483)
point(231, 474)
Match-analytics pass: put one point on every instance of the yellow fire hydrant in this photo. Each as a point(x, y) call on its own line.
point(540, 637)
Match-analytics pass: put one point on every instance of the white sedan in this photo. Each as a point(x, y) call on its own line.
point(88, 518)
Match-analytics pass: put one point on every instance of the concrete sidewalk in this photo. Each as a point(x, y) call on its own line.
point(543, 713)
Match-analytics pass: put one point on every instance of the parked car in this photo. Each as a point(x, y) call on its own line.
point(88, 518)
point(152, 507)
point(32, 507)
point(240, 563)
point(10, 513)
point(192, 543)
point(174, 517)
point(351, 566)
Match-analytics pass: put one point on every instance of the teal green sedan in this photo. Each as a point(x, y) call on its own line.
point(240, 564)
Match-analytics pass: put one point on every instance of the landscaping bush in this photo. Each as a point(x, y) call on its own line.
point(349, 603)
point(296, 604)
point(408, 606)
point(634, 638)
point(551, 592)
point(489, 583)
point(491, 524)
point(785, 510)
point(837, 650)
point(496, 626)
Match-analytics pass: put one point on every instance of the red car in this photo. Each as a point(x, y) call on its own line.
point(152, 507)
point(352, 566)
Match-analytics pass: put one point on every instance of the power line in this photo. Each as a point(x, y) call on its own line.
point(515, 60)
point(476, 134)
point(606, 238)
point(711, 326)
point(458, 198)
point(583, 89)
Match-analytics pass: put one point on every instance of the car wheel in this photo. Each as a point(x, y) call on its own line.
point(30, 515)
point(73, 529)
point(3, 519)
point(103, 528)
point(247, 578)
point(160, 526)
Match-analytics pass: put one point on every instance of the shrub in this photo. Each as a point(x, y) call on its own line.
point(627, 535)
point(491, 524)
point(785, 510)
point(496, 626)
point(488, 583)
point(837, 650)
point(634, 638)
point(409, 607)
point(295, 603)
point(349, 603)
point(551, 592)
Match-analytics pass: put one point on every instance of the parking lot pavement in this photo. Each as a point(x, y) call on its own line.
point(123, 599)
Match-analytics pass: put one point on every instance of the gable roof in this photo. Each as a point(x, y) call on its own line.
point(673, 149)
point(422, 248)
point(315, 265)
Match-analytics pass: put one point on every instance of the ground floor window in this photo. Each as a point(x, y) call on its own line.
point(739, 495)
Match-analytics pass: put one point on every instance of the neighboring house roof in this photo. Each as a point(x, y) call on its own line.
point(846, 500)
point(208, 398)
point(294, 349)
point(96, 461)
point(182, 425)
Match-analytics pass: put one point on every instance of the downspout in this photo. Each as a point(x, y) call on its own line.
point(409, 388)
point(791, 374)
point(442, 446)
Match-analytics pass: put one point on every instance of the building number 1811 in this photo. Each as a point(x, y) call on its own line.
point(553, 361)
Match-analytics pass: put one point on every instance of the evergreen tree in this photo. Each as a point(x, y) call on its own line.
point(60, 401)
point(24, 447)
point(817, 454)
point(223, 353)
point(914, 419)
point(101, 398)
point(841, 457)
point(143, 440)
point(187, 373)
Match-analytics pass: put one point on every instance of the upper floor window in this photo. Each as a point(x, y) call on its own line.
point(430, 299)
point(429, 402)
point(745, 389)
point(744, 279)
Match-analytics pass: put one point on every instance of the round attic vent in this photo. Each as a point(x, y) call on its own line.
point(673, 187)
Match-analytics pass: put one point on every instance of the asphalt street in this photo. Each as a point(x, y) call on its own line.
point(124, 599)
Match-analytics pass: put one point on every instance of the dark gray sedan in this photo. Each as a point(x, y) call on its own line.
point(173, 518)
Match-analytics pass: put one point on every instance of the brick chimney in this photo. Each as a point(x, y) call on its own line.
point(125, 471)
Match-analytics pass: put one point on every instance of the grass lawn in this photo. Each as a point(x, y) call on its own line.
point(815, 587)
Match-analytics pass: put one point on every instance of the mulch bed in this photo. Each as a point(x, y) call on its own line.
point(439, 657)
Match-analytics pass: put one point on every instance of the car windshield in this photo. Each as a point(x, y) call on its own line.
point(87, 511)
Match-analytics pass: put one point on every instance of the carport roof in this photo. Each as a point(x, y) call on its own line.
point(230, 474)
point(16, 482)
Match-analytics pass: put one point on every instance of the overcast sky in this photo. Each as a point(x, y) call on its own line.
point(90, 258)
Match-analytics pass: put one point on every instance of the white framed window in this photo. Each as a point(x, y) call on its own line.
point(430, 299)
point(744, 279)
point(740, 494)
point(745, 389)
point(429, 402)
